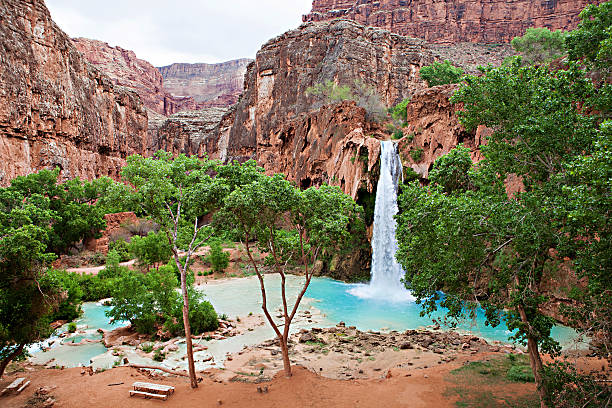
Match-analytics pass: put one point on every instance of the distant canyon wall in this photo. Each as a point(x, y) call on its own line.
point(210, 85)
point(57, 110)
point(454, 21)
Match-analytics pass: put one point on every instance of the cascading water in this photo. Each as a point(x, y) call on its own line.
point(386, 271)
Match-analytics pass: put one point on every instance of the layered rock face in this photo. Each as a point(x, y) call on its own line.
point(56, 110)
point(210, 85)
point(452, 21)
point(125, 69)
point(275, 121)
point(200, 133)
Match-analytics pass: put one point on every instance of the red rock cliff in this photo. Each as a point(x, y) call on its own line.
point(125, 69)
point(210, 85)
point(56, 110)
point(277, 124)
point(452, 21)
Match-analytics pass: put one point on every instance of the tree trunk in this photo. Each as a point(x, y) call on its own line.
point(8, 359)
point(285, 352)
point(188, 341)
point(536, 366)
point(535, 359)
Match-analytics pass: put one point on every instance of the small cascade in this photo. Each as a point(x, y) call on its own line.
point(386, 271)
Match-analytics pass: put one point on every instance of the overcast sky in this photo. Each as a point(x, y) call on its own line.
point(164, 32)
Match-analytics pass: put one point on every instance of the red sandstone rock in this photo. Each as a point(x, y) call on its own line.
point(56, 110)
point(125, 69)
point(277, 124)
point(209, 85)
point(445, 21)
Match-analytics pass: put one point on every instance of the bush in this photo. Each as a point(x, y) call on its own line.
point(218, 258)
point(441, 73)
point(122, 247)
point(398, 134)
point(520, 373)
point(72, 327)
point(567, 388)
point(146, 347)
point(159, 355)
point(330, 91)
point(540, 45)
point(112, 268)
point(151, 301)
point(400, 111)
point(416, 154)
point(70, 306)
point(154, 249)
point(451, 171)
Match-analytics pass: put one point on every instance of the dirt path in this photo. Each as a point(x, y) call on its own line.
point(94, 270)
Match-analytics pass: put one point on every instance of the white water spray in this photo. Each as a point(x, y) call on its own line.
point(386, 271)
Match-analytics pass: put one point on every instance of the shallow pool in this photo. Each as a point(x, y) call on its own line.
point(327, 300)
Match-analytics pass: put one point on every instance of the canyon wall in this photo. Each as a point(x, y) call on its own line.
point(57, 110)
point(453, 21)
point(125, 69)
point(210, 85)
point(277, 124)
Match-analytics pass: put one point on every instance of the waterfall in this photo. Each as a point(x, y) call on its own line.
point(386, 271)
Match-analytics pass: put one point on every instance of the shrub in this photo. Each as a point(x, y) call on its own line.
point(520, 373)
point(218, 258)
point(159, 355)
point(451, 170)
point(112, 268)
point(441, 73)
point(416, 154)
point(153, 249)
point(72, 327)
point(410, 174)
point(146, 347)
point(540, 45)
point(398, 134)
point(400, 111)
point(122, 248)
point(330, 91)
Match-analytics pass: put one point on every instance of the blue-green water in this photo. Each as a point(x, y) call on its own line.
point(333, 299)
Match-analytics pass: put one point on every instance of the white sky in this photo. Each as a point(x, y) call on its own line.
point(164, 32)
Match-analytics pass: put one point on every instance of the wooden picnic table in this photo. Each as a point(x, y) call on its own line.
point(150, 390)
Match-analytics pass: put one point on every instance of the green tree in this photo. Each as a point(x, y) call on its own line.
point(441, 73)
point(74, 213)
point(176, 194)
point(151, 250)
point(27, 295)
point(399, 112)
point(464, 236)
point(592, 40)
point(323, 219)
point(217, 257)
point(540, 45)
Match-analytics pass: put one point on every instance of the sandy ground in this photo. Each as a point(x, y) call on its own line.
point(305, 389)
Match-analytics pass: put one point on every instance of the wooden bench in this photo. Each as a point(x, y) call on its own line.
point(151, 391)
point(16, 386)
point(153, 388)
point(148, 395)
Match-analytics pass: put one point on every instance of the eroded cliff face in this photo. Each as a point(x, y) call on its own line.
point(56, 110)
point(276, 122)
point(445, 21)
point(201, 133)
point(125, 69)
point(209, 85)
